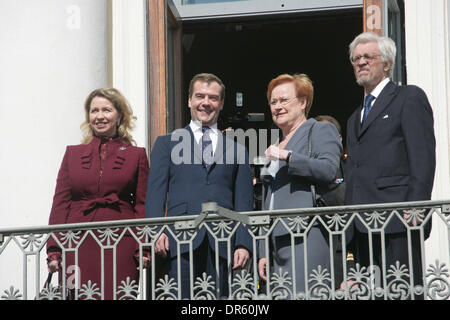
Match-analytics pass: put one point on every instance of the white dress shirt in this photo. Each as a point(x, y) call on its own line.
point(213, 133)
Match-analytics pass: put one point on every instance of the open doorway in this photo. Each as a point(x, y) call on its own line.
point(247, 53)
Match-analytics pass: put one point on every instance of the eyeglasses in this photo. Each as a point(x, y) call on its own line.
point(367, 58)
point(282, 101)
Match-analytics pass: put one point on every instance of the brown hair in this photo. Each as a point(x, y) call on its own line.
point(123, 108)
point(208, 78)
point(303, 87)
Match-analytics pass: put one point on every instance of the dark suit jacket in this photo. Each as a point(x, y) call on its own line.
point(178, 177)
point(391, 158)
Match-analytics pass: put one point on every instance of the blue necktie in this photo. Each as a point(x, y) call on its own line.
point(207, 149)
point(367, 105)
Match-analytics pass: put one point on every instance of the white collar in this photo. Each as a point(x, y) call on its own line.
point(377, 90)
point(197, 130)
point(196, 126)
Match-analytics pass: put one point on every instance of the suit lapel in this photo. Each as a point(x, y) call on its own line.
point(224, 146)
point(357, 121)
point(381, 103)
point(221, 149)
point(300, 134)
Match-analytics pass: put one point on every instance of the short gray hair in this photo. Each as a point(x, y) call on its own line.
point(386, 46)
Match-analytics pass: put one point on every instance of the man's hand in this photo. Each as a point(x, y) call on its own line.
point(262, 268)
point(162, 245)
point(241, 257)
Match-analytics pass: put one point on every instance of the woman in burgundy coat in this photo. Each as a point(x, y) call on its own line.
point(102, 179)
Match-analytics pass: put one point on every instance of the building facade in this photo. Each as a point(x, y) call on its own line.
point(55, 52)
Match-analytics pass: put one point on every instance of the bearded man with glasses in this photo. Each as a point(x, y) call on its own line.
point(390, 153)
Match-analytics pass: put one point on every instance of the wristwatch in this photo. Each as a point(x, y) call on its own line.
point(289, 155)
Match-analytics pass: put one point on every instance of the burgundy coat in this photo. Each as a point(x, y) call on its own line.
point(85, 192)
point(88, 189)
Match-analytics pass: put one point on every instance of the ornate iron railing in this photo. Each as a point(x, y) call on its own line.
point(23, 267)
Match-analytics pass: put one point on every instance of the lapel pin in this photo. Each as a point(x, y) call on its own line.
point(386, 116)
point(122, 148)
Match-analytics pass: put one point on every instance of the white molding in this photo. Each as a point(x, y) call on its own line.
point(53, 55)
point(129, 68)
point(427, 59)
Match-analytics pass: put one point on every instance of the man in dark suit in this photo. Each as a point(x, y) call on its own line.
point(198, 164)
point(390, 151)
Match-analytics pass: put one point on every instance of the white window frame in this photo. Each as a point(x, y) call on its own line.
point(259, 7)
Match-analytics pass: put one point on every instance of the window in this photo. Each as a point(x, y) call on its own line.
point(207, 9)
point(184, 2)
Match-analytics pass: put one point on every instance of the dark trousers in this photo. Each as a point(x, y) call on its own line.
point(397, 258)
point(339, 261)
point(203, 262)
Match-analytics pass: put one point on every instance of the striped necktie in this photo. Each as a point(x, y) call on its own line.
point(367, 106)
point(207, 148)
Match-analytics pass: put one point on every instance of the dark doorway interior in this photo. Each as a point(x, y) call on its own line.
point(247, 54)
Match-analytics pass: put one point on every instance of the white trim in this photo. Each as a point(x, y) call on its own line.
point(129, 60)
point(259, 7)
point(427, 58)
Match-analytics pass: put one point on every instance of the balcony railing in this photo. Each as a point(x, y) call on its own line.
point(23, 266)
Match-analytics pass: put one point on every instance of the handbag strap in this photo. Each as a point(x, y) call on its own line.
point(313, 187)
point(49, 280)
point(309, 140)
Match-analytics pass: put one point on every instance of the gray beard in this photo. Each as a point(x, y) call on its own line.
point(363, 82)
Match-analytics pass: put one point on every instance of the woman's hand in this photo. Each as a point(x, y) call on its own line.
point(351, 285)
point(53, 266)
point(276, 153)
point(145, 262)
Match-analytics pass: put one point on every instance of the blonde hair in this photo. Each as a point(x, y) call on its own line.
point(123, 108)
point(303, 87)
